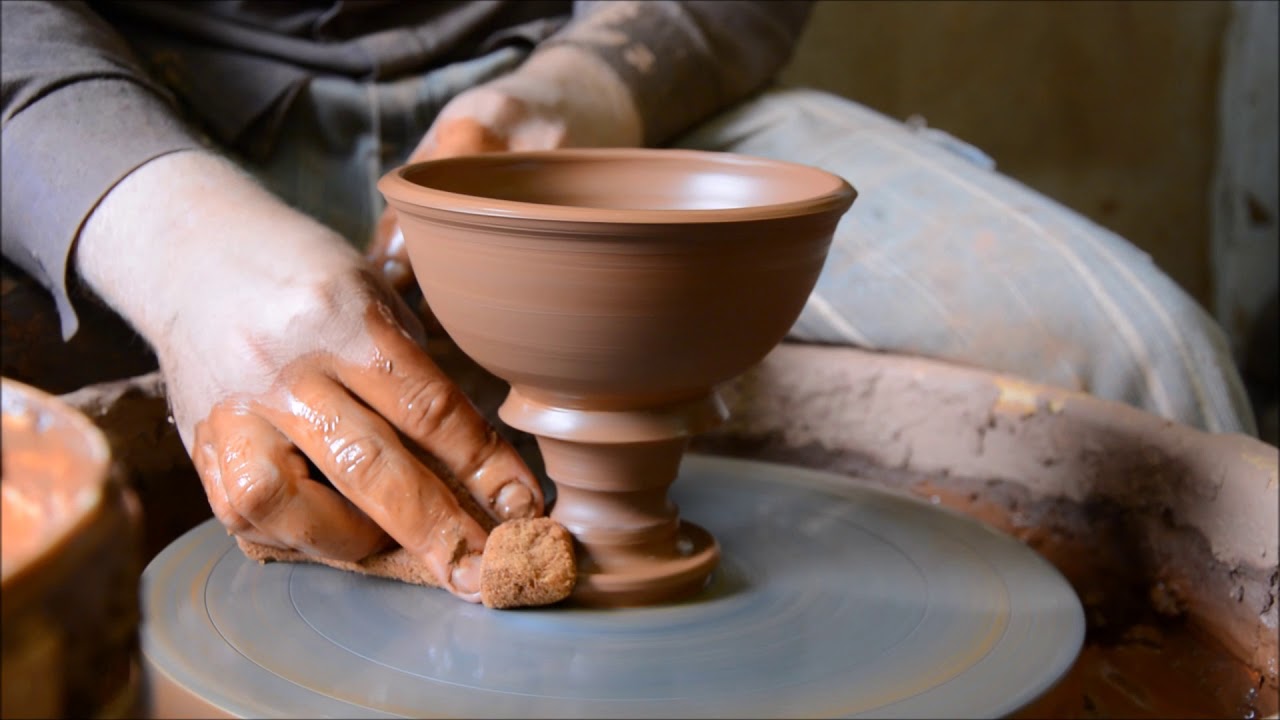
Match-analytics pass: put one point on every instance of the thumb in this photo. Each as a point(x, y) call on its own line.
point(387, 252)
point(462, 136)
point(448, 138)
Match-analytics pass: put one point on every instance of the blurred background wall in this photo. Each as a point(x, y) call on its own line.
point(1155, 119)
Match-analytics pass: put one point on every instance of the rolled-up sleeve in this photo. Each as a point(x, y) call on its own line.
point(79, 114)
point(683, 61)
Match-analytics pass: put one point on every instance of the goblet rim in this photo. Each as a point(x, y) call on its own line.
point(404, 193)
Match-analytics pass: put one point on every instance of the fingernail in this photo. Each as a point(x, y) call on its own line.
point(465, 578)
point(514, 501)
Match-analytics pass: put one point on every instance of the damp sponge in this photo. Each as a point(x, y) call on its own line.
point(527, 562)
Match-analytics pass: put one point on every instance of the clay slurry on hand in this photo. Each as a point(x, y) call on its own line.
point(527, 562)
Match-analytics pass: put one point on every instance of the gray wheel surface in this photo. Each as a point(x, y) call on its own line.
point(832, 599)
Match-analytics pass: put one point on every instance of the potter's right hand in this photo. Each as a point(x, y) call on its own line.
point(278, 342)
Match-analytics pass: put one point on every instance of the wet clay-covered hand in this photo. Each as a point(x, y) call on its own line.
point(277, 342)
point(560, 97)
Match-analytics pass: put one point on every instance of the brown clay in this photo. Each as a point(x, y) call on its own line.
point(70, 562)
point(613, 289)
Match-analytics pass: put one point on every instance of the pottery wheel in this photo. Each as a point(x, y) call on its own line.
point(831, 600)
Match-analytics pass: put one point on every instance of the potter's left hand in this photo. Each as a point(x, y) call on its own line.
point(560, 97)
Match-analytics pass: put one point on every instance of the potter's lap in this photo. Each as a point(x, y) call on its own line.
point(942, 256)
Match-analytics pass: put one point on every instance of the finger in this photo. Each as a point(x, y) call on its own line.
point(361, 455)
point(266, 483)
point(388, 254)
point(463, 136)
point(380, 240)
point(449, 138)
point(204, 454)
point(412, 392)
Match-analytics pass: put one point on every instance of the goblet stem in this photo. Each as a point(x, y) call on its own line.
point(611, 494)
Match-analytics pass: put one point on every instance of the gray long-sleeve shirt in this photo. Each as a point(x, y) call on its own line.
point(91, 91)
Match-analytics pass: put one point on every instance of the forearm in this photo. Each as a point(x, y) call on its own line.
point(683, 61)
point(79, 113)
point(189, 227)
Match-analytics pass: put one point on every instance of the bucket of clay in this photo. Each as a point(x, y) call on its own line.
point(70, 565)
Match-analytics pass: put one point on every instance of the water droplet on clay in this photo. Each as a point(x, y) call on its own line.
point(684, 546)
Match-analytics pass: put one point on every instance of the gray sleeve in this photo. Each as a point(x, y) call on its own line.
point(684, 61)
point(79, 114)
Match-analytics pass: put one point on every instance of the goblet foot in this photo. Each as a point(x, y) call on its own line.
point(658, 580)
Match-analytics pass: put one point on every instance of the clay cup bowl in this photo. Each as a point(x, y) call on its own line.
point(614, 289)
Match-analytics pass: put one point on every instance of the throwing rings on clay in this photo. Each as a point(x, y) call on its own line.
point(831, 600)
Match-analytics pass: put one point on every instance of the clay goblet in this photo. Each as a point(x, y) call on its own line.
point(614, 289)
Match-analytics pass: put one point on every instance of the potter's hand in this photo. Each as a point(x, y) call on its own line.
point(560, 97)
point(277, 342)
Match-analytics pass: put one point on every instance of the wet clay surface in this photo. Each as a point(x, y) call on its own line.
point(1155, 672)
point(608, 287)
point(613, 498)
